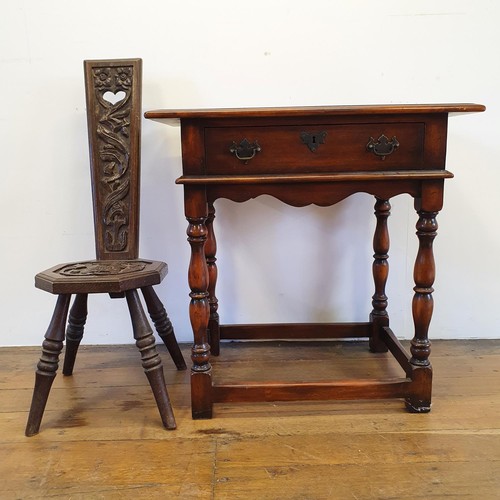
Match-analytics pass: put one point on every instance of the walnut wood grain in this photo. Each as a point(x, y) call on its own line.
point(315, 155)
point(344, 148)
point(210, 255)
point(313, 178)
point(379, 316)
point(316, 111)
point(290, 331)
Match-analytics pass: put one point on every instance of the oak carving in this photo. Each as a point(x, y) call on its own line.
point(112, 87)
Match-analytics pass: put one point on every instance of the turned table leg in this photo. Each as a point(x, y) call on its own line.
point(379, 317)
point(199, 308)
point(424, 273)
point(210, 252)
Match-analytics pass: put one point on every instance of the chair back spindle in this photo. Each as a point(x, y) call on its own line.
point(113, 94)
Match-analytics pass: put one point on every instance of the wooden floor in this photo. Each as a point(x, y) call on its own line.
point(102, 437)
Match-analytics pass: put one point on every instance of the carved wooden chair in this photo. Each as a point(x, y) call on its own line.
point(113, 90)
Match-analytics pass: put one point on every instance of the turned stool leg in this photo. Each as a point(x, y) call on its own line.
point(423, 303)
point(163, 325)
point(48, 364)
point(210, 252)
point(379, 317)
point(151, 362)
point(74, 331)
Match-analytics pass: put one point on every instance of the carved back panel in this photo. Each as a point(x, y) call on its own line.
point(113, 91)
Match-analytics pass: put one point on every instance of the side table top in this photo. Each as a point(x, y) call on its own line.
point(311, 111)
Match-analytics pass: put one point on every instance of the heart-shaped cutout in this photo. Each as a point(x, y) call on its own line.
point(113, 98)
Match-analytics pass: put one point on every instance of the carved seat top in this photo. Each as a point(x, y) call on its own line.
point(103, 268)
point(101, 276)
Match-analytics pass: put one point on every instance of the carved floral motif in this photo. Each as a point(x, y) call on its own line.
point(103, 268)
point(113, 146)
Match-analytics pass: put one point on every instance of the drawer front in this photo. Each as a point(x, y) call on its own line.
point(314, 148)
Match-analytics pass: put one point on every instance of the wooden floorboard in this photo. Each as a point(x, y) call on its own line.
point(101, 435)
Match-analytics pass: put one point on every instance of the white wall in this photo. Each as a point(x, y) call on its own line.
point(276, 262)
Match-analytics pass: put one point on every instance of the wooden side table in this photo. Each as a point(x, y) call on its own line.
point(316, 155)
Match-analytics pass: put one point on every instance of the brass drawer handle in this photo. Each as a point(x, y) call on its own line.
point(382, 147)
point(245, 150)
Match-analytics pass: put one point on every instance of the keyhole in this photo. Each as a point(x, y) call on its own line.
point(312, 141)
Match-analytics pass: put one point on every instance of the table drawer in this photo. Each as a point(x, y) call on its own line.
point(314, 148)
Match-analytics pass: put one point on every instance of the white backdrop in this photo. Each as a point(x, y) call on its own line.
point(276, 263)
